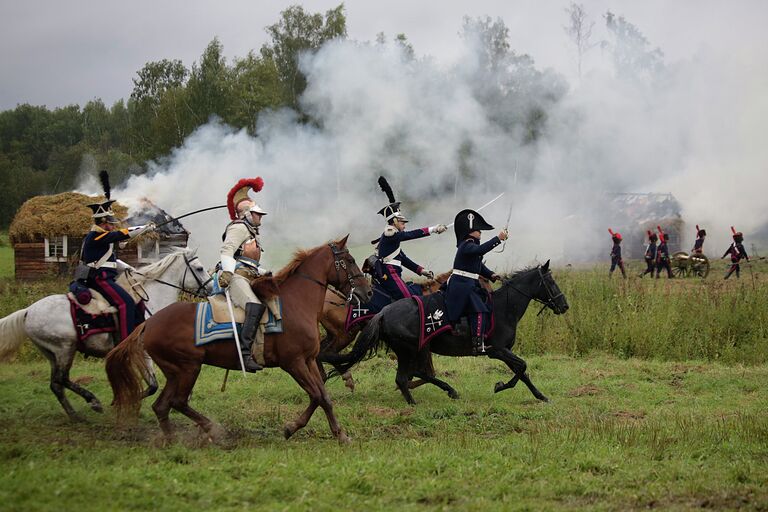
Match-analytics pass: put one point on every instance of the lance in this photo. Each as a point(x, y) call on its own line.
point(486, 204)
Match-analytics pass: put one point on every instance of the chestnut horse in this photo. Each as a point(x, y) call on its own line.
point(168, 337)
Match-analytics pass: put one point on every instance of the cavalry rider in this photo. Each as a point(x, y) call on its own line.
point(391, 259)
point(98, 253)
point(737, 252)
point(616, 254)
point(465, 296)
point(650, 254)
point(662, 256)
point(240, 255)
point(698, 245)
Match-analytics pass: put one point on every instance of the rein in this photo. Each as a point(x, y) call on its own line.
point(551, 297)
point(339, 264)
point(199, 292)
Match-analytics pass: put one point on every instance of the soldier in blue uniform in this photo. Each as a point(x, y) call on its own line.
point(465, 295)
point(650, 254)
point(698, 245)
point(662, 256)
point(616, 254)
point(98, 262)
point(390, 257)
point(737, 253)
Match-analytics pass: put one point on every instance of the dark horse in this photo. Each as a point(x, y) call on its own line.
point(168, 337)
point(398, 326)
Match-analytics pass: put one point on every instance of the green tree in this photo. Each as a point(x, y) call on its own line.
point(632, 57)
point(298, 32)
point(255, 86)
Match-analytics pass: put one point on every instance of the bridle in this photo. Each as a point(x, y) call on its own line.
point(201, 285)
point(551, 295)
point(340, 263)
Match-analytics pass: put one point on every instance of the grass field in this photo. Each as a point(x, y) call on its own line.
point(6, 256)
point(658, 401)
point(618, 434)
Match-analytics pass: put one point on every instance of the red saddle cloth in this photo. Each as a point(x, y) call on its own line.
point(87, 324)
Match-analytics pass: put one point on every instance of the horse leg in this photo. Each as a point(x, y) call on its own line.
point(180, 400)
point(57, 384)
point(301, 374)
point(519, 367)
point(149, 378)
point(162, 405)
point(327, 405)
point(425, 367)
point(404, 374)
point(439, 383)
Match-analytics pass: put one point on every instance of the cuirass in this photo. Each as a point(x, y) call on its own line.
point(252, 250)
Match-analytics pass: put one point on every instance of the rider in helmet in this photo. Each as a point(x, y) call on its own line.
point(240, 255)
point(465, 296)
point(391, 259)
point(99, 261)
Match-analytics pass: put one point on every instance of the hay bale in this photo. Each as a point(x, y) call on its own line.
point(56, 215)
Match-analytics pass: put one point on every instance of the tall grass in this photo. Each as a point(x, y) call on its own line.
point(677, 319)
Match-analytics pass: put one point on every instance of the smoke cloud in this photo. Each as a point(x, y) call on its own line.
point(450, 136)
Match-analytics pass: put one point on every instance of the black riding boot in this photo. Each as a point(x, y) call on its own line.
point(253, 313)
point(478, 345)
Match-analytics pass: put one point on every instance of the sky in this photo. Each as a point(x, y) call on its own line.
point(698, 133)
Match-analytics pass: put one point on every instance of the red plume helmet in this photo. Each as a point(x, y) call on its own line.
point(617, 236)
point(239, 193)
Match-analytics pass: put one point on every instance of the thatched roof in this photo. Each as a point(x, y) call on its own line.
point(56, 215)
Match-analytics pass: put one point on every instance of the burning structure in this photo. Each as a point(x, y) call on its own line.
point(47, 233)
point(635, 214)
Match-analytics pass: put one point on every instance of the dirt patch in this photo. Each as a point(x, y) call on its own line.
point(588, 390)
point(383, 412)
point(83, 380)
point(629, 415)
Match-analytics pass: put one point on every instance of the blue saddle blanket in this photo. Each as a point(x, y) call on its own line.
point(207, 330)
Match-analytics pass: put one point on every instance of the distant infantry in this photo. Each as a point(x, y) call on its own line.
point(465, 296)
point(698, 245)
point(662, 255)
point(240, 254)
point(98, 267)
point(390, 257)
point(650, 254)
point(616, 254)
point(737, 253)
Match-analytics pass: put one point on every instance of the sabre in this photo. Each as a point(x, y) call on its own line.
point(486, 204)
point(234, 329)
point(190, 213)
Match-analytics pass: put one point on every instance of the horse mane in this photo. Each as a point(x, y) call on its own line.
point(159, 267)
point(299, 257)
point(518, 274)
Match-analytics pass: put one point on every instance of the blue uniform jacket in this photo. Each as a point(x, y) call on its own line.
point(662, 253)
point(737, 252)
point(465, 295)
point(96, 244)
point(616, 252)
point(650, 251)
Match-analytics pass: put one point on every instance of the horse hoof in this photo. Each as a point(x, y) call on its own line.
point(344, 439)
point(543, 399)
point(97, 407)
point(350, 384)
point(289, 430)
point(499, 387)
point(76, 418)
point(453, 395)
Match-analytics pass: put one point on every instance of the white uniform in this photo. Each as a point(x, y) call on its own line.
point(240, 254)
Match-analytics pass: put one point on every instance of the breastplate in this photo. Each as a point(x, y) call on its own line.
point(251, 250)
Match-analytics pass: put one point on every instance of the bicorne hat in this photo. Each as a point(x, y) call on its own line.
point(102, 212)
point(392, 210)
point(467, 221)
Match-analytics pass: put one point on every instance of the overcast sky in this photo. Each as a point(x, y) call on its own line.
point(56, 53)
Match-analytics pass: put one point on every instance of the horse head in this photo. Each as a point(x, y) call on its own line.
point(345, 275)
point(193, 278)
point(537, 283)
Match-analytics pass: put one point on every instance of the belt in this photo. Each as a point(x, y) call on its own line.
point(108, 264)
point(396, 263)
point(461, 273)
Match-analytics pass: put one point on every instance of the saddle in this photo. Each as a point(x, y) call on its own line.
point(433, 320)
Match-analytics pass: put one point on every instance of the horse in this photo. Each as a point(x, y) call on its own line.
point(168, 337)
point(48, 322)
point(397, 325)
point(337, 338)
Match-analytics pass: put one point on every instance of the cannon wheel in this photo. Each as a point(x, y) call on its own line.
point(680, 264)
point(699, 266)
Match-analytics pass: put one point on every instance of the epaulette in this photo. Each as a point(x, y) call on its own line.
point(390, 230)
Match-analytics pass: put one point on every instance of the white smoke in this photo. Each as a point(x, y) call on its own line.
point(693, 132)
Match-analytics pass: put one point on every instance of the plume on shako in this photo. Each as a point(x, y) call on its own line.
point(392, 210)
point(103, 210)
point(239, 193)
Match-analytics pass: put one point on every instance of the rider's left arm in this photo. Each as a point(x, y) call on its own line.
point(410, 264)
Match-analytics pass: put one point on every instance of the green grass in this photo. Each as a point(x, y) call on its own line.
point(6, 256)
point(618, 434)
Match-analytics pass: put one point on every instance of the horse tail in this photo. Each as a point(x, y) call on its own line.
point(12, 333)
point(125, 364)
point(367, 344)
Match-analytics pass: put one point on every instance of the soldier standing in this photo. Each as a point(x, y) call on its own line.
point(650, 254)
point(662, 255)
point(737, 252)
point(698, 245)
point(616, 254)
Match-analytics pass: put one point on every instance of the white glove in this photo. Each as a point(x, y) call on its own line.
point(428, 274)
point(440, 228)
point(140, 230)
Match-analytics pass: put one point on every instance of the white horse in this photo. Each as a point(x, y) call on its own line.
point(48, 322)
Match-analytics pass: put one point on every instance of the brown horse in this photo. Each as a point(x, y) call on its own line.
point(337, 338)
point(168, 337)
